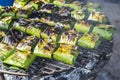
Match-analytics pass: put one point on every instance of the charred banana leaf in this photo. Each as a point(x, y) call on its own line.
point(22, 24)
point(104, 31)
point(69, 37)
point(22, 59)
point(76, 5)
point(51, 32)
point(44, 48)
point(98, 17)
point(66, 53)
point(22, 13)
point(27, 44)
point(20, 3)
point(82, 26)
point(78, 14)
point(89, 41)
point(5, 23)
point(92, 7)
point(48, 8)
point(9, 11)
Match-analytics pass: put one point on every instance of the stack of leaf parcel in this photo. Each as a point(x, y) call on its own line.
point(52, 29)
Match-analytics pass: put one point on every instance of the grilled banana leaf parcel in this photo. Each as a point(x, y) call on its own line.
point(44, 48)
point(98, 17)
point(104, 31)
point(82, 26)
point(48, 8)
point(89, 41)
point(78, 14)
point(5, 23)
point(22, 13)
point(2, 34)
point(76, 5)
point(27, 44)
point(1, 10)
point(21, 24)
point(66, 53)
point(9, 11)
point(22, 59)
point(20, 3)
point(69, 37)
point(51, 32)
point(9, 42)
point(59, 2)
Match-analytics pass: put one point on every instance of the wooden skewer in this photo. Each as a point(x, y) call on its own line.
point(13, 73)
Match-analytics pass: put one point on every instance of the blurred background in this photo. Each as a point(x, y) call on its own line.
point(111, 71)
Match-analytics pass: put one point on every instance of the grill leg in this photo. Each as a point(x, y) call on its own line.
point(2, 76)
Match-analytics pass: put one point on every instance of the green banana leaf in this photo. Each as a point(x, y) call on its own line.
point(82, 27)
point(98, 17)
point(1, 10)
point(5, 23)
point(104, 31)
point(59, 2)
point(9, 11)
point(66, 53)
point(44, 48)
point(90, 41)
point(76, 5)
point(19, 27)
point(69, 37)
point(27, 43)
point(20, 3)
point(22, 59)
point(78, 14)
point(22, 13)
point(65, 25)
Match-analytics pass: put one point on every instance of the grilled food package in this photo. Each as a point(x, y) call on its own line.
point(9, 11)
point(59, 2)
point(66, 53)
point(104, 31)
point(9, 43)
point(90, 41)
point(22, 59)
point(21, 24)
point(48, 8)
point(1, 10)
point(78, 14)
point(69, 37)
point(2, 34)
point(76, 5)
point(5, 23)
point(22, 13)
point(20, 3)
point(45, 48)
point(98, 17)
point(82, 26)
point(51, 32)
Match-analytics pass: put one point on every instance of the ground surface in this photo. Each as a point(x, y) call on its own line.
point(112, 70)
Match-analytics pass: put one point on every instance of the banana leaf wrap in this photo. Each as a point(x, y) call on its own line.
point(27, 44)
point(21, 24)
point(89, 41)
point(22, 13)
point(78, 14)
point(59, 3)
point(82, 26)
point(63, 11)
point(104, 31)
point(9, 11)
point(20, 3)
point(47, 19)
point(51, 32)
point(65, 25)
point(1, 10)
point(44, 48)
point(48, 8)
point(69, 37)
point(9, 42)
point(76, 5)
point(2, 34)
point(98, 17)
point(92, 7)
point(33, 5)
point(66, 53)
point(22, 59)
point(5, 23)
